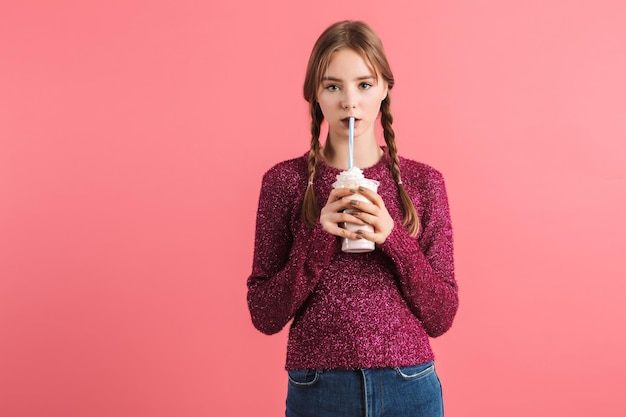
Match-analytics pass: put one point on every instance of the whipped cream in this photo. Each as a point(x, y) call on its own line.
point(352, 177)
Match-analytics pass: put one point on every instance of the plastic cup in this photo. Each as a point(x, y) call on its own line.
point(359, 245)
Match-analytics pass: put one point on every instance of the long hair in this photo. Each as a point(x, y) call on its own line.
point(360, 38)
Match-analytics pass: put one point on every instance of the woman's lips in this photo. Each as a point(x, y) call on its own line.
point(346, 122)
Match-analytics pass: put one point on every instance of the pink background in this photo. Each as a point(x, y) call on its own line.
point(133, 138)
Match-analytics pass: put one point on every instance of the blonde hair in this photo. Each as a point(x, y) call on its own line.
point(360, 38)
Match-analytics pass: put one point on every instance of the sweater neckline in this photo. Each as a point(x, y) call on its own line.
point(369, 172)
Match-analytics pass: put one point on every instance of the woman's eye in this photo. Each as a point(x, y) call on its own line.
point(332, 87)
point(365, 86)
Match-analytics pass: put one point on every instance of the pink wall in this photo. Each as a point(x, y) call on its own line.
point(133, 137)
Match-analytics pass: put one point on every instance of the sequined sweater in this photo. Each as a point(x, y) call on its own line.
point(352, 310)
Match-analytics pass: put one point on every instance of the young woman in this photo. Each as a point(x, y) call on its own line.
point(360, 323)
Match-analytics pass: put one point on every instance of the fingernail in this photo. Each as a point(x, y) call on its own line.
point(353, 190)
point(361, 188)
point(354, 203)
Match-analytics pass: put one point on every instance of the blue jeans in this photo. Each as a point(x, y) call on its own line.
point(413, 391)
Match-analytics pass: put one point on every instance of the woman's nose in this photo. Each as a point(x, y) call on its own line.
point(349, 100)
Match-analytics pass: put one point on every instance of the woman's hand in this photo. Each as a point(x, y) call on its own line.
point(374, 214)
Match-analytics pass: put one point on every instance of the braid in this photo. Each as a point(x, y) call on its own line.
point(410, 221)
point(310, 209)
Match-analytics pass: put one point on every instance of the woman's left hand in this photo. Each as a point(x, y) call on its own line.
point(374, 214)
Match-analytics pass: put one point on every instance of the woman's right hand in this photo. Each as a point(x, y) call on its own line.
point(332, 213)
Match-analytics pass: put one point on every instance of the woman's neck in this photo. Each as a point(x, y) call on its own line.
point(366, 154)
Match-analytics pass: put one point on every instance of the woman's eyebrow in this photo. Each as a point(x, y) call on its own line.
point(364, 77)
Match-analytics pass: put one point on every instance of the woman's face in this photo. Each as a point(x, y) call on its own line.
point(349, 89)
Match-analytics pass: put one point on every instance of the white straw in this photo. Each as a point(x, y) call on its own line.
point(351, 144)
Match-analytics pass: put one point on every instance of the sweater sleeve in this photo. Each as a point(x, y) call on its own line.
point(287, 263)
point(425, 266)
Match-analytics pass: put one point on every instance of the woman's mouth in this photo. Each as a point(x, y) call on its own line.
point(346, 122)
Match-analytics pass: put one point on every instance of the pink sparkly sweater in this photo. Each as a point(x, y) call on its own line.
point(350, 311)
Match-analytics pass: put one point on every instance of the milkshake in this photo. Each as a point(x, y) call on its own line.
point(354, 178)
